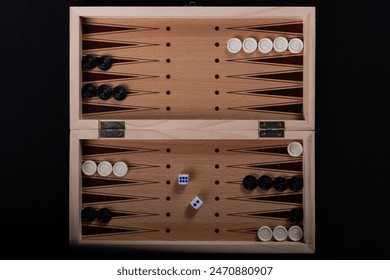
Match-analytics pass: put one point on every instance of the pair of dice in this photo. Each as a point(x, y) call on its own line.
point(279, 184)
point(104, 63)
point(89, 214)
point(280, 233)
point(104, 92)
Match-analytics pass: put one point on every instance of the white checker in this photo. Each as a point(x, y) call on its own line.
point(265, 45)
point(280, 233)
point(104, 168)
point(249, 45)
point(264, 233)
point(234, 45)
point(295, 149)
point(295, 45)
point(280, 44)
point(89, 167)
point(295, 233)
point(120, 169)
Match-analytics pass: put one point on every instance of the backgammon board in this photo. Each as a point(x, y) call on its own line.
point(192, 128)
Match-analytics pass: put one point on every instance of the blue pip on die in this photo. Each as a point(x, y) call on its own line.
point(196, 202)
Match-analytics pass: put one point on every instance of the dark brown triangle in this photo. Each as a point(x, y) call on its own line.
point(289, 60)
point(93, 230)
point(92, 28)
point(277, 28)
point(282, 166)
point(92, 109)
point(93, 45)
point(140, 92)
point(280, 92)
point(102, 198)
point(295, 198)
point(244, 230)
point(90, 182)
point(290, 198)
point(116, 60)
point(283, 214)
point(287, 76)
point(260, 150)
point(98, 150)
point(93, 77)
point(130, 214)
point(287, 108)
point(99, 198)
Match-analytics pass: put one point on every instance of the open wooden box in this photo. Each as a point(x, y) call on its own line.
point(191, 107)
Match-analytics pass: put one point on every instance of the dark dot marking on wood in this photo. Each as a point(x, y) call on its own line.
point(168, 44)
point(168, 150)
point(216, 182)
point(168, 198)
point(216, 92)
point(217, 44)
point(168, 214)
point(168, 76)
point(168, 28)
point(168, 230)
point(216, 150)
point(168, 166)
point(216, 28)
point(217, 214)
point(168, 60)
point(216, 198)
point(216, 230)
point(217, 108)
point(168, 108)
point(216, 60)
point(168, 92)
point(168, 182)
point(217, 76)
point(216, 166)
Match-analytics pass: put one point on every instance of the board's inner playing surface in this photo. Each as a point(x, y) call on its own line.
point(180, 68)
point(149, 204)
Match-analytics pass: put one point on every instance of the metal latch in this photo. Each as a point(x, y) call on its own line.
point(109, 129)
point(271, 129)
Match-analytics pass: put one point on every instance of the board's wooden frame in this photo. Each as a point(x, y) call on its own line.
point(194, 129)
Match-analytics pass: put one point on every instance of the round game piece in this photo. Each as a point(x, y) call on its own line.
point(119, 93)
point(280, 44)
point(104, 92)
point(295, 45)
point(296, 215)
point(120, 169)
point(265, 45)
point(89, 167)
point(88, 90)
point(104, 168)
point(265, 182)
point(295, 149)
point(295, 233)
point(88, 214)
point(264, 233)
point(104, 63)
point(249, 45)
point(88, 62)
point(234, 45)
point(104, 215)
point(295, 183)
point(280, 233)
point(280, 184)
point(249, 182)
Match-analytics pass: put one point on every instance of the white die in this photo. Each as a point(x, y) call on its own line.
point(196, 202)
point(183, 179)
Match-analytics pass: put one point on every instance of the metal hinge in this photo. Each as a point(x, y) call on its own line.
point(109, 129)
point(271, 129)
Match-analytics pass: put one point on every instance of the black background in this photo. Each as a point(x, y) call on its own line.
point(352, 130)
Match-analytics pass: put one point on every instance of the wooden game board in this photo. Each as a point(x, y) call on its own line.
point(192, 107)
